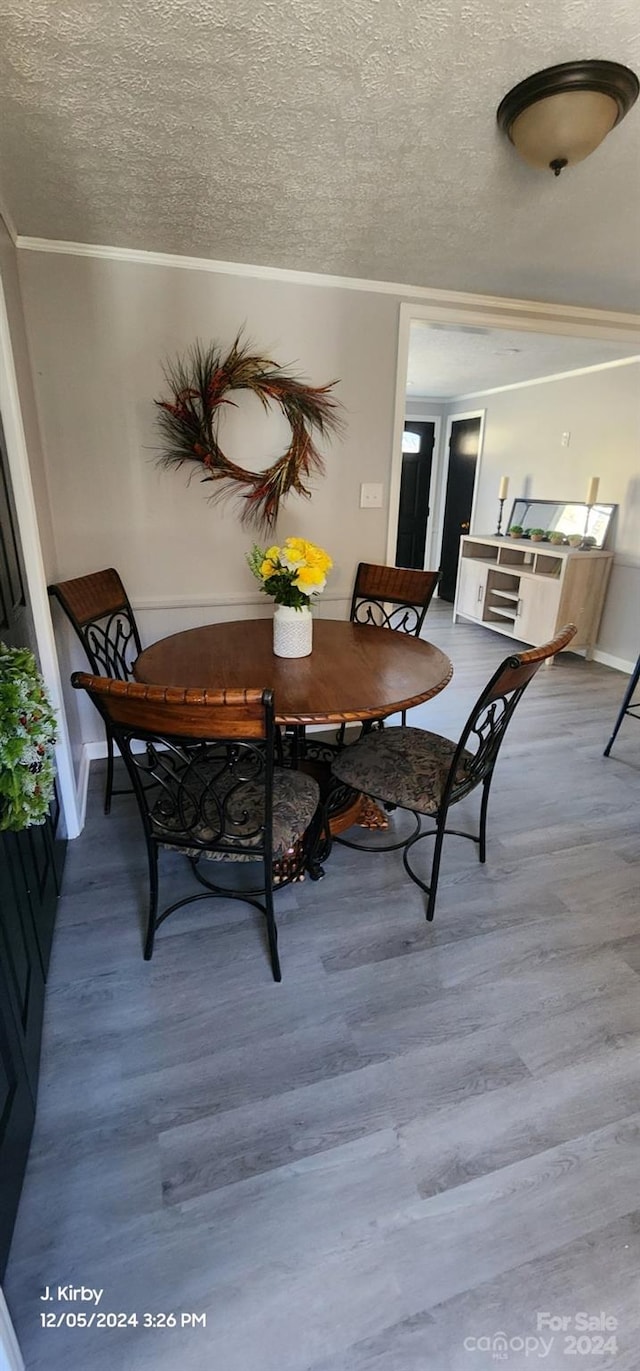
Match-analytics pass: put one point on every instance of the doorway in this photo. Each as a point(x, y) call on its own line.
point(465, 437)
point(524, 321)
point(418, 441)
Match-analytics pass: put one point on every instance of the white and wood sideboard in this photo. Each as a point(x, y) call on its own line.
point(528, 590)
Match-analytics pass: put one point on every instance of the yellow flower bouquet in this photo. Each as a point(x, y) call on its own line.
point(292, 574)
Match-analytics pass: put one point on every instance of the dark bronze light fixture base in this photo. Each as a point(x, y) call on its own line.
point(555, 135)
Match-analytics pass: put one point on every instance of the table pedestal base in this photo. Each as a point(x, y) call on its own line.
point(360, 809)
point(372, 816)
point(345, 807)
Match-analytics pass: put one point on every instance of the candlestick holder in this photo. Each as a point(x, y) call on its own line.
point(498, 533)
point(585, 544)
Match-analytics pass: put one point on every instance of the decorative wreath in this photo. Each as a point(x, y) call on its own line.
point(201, 384)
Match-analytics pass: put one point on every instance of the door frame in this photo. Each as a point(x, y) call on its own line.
point(530, 316)
point(22, 487)
point(443, 474)
point(436, 420)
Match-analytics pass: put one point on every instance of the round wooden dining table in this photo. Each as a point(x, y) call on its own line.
point(355, 671)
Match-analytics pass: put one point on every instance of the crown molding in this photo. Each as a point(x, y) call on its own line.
point(538, 380)
point(443, 300)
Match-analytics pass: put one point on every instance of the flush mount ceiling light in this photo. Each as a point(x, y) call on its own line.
point(561, 114)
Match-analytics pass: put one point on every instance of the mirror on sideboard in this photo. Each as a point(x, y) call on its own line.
point(570, 518)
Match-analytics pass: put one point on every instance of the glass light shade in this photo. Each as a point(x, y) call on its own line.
point(564, 127)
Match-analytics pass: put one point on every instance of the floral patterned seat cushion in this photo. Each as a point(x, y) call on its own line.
point(407, 767)
point(295, 801)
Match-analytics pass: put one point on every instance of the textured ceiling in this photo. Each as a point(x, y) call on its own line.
point(444, 361)
point(354, 137)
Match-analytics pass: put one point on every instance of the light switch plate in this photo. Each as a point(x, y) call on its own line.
point(370, 495)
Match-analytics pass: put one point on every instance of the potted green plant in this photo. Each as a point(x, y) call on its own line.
point(574, 539)
point(515, 531)
point(556, 538)
point(27, 738)
point(536, 535)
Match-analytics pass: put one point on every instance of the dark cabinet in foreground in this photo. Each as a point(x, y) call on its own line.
point(30, 874)
point(30, 871)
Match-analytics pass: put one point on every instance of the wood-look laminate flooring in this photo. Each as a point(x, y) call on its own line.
point(426, 1135)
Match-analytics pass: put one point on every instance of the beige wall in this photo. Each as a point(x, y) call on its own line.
point(99, 331)
point(522, 439)
point(79, 724)
point(29, 477)
point(601, 411)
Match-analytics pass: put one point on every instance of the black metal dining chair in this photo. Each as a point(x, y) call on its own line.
point(628, 706)
point(202, 768)
point(390, 597)
point(98, 609)
point(425, 773)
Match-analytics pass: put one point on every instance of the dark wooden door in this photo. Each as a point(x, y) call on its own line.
point(413, 513)
point(30, 868)
point(464, 446)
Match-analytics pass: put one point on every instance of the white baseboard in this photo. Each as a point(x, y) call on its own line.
point(10, 1355)
point(91, 752)
point(95, 751)
point(83, 781)
point(618, 663)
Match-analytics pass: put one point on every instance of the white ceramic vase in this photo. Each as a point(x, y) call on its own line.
point(292, 631)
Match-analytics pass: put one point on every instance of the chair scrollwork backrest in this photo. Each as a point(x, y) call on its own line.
point(482, 736)
point(99, 610)
point(392, 597)
point(203, 776)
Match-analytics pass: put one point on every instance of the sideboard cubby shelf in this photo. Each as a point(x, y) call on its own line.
point(528, 590)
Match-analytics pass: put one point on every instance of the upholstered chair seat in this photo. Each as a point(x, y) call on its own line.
point(405, 767)
point(411, 769)
point(295, 801)
point(202, 767)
